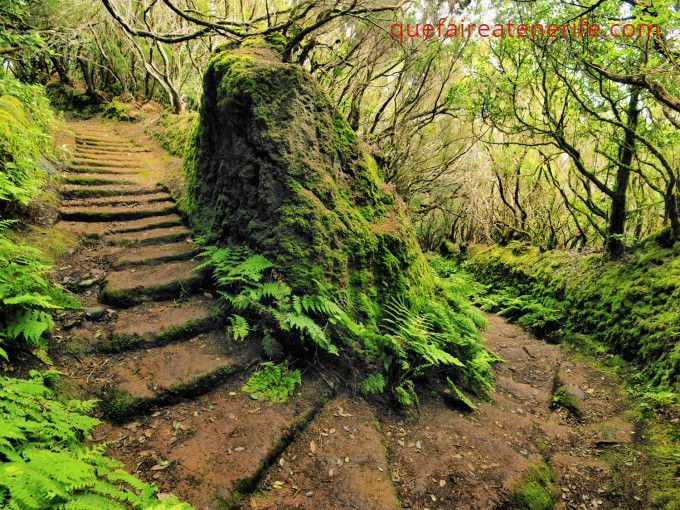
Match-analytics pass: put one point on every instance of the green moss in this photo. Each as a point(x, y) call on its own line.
point(630, 305)
point(536, 491)
point(24, 136)
point(273, 166)
point(118, 110)
point(173, 132)
point(118, 405)
point(563, 398)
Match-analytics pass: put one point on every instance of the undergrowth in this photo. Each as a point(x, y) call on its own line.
point(630, 306)
point(27, 297)
point(417, 337)
point(274, 382)
point(46, 463)
point(25, 117)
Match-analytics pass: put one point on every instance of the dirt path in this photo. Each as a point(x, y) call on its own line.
point(152, 347)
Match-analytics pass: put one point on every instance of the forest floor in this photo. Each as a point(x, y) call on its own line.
point(149, 344)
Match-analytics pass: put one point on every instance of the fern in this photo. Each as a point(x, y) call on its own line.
point(246, 283)
point(238, 329)
point(416, 334)
point(46, 463)
point(273, 382)
point(27, 297)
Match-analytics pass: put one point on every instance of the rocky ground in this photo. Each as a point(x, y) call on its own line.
point(151, 345)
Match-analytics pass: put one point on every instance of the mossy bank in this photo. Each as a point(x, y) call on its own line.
point(629, 305)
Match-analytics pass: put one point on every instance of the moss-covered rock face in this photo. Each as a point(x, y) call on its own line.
point(275, 167)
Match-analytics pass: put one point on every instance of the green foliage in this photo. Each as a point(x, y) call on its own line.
point(240, 274)
point(172, 132)
point(78, 103)
point(273, 381)
point(45, 462)
point(536, 491)
point(629, 306)
point(118, 110)
point(238, 329)
point(25, 118)
point(418, 334)
point(541, 316)
point(27, 297)
point(374, 383)
point(460, 396)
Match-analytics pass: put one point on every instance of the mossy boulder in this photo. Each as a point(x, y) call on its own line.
point(274, 166)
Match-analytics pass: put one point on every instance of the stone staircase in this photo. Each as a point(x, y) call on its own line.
point(158, 357)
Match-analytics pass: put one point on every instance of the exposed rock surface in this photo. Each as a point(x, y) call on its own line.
point(275, 167)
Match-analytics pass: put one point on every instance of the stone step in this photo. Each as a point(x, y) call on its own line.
point(154, 324)
point(149, 255)
point(96, 179)
point(149, 236)
point(88, 140)
point(340, 457)
point(125, 148)
point(91, 162)
point(170, 280)
point(106, 145)
point(122, 157)
point(102, 170)
point(96, 150)
point(116, 213)
point(102, 190)
point(133, 382)
point(217, 446)
point(119, 200)
point(103, 228)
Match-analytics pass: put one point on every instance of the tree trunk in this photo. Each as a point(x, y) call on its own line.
point(672, 205)
point(617, 213)
point(61, 72)
point(89, 83)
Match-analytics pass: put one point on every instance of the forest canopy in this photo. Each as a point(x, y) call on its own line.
point(574, 139)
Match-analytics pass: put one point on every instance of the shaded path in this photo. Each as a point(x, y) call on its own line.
point(152, 347)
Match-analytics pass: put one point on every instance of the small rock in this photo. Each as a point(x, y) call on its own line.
point(575, 391)
point(96, 313)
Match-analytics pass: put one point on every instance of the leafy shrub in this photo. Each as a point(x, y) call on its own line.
point(25, 117)
point(273, 382)
point(418, 335)
point(77, 103)
point(46, 464)
point(27, 297)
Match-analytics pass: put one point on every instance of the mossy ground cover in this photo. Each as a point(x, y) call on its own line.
point(172, 132)
point(631, 306)
point(620, 316)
